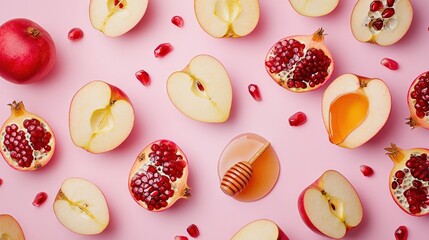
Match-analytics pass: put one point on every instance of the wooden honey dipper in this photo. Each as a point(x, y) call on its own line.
point(238, 176)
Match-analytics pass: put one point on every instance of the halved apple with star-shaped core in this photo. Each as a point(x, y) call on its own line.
point(330, 206)
point(227, 18)
point(354, 109)
point(101, 117)
point(202, 91)
point(10, 228)
point(116, 17)
point(314, 8)
point(81, 207)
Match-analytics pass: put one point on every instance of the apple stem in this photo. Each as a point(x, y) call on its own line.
point(395, 153)
point(259, 152)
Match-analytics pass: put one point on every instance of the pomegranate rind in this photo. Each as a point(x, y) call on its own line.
point(180, 187)
point(399, 157)
point(315, 40)
point(414, 121)
point(18, 119)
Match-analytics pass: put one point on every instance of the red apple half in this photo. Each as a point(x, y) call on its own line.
point(330, 206)
point(10, 228)
point(261, 229)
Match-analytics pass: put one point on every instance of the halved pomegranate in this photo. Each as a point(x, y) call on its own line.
point(300, 63)
point(418, 102)
point(27, 142)
point(409, 179)
point(158, 177)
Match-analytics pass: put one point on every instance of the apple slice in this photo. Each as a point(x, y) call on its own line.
point(314, 8)
point(330, 206)
point(261, 229)
point(354, 109)
point(81, 207)
point(10, 228)
point(381, 22)
point(116, 17)
point(231, 18)
point(101, 117)
point(202, 91)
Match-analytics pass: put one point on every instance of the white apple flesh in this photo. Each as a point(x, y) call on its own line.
point(202, 91)
point(10, 228)
point(116, 17)
point(101, 117)
point(81, 207)
point(261, 229)
point(314, 8)
point(330, 206)
point(227, 18)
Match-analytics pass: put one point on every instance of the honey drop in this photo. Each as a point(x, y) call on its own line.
point(346, 113)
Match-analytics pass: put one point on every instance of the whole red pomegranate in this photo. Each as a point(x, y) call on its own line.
point(158, 177)
point(27, 51)
point(418, 102)
point(27, 142)
point(300, 63)
point(409, 179)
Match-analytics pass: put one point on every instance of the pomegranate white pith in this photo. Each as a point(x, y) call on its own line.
point(300, 63)
point(27, 141)
point(383, 22)
point(409, 179)
point(158, 177)
point(418, 102)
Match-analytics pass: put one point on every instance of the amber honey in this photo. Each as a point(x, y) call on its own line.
point(346, 113)
point(266, 168)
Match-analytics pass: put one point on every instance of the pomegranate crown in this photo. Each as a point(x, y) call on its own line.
point(319, 35)
point(394, 152)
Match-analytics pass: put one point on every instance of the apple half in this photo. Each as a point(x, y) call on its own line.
point(381, 22)
point(261, 229)
point(202, 90)
point(101, 117)
point(81, 207)
point(116, 17)
point(330, 206)
point(314, 8)
point(354, 109)
point(227, 18)
point(10, 228)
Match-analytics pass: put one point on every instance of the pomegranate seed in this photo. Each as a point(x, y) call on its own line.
point(378, 24)
point(40, 199)
point(163, 49)
point(390, 3)
point(376, 6)
point(200, 86)
point(401, 233)
point(366, 170)
point(143, 77)
point(193, 231)
point(1, 181)
point(297, 119)
point(180, 238)
point(75, 34)
point(388, 13)
point(177, 20)
point(389, 63)
point(254, 91)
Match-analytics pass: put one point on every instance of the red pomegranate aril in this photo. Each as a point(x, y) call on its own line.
point(180, 238)
point(1, 181)
point(401, 233)
point(389, 63)
point(193, 231)
point(376, 6)
point(143, 77)
point(178, 21)
point(254, 92)
point(162, 50)
point(366, 170)
point(377, 24)
point(75, 34)
point(388, 13)
point(121, 5)
point(390, 3)
point(40, 199)
point(200, 86)
point(297, 119)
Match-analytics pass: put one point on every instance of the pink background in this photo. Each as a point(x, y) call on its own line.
point(304, 152)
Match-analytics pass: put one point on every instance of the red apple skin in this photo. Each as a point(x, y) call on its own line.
point(301, 207)
point(282, 235)
point(27, 51)
point(118, 94)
